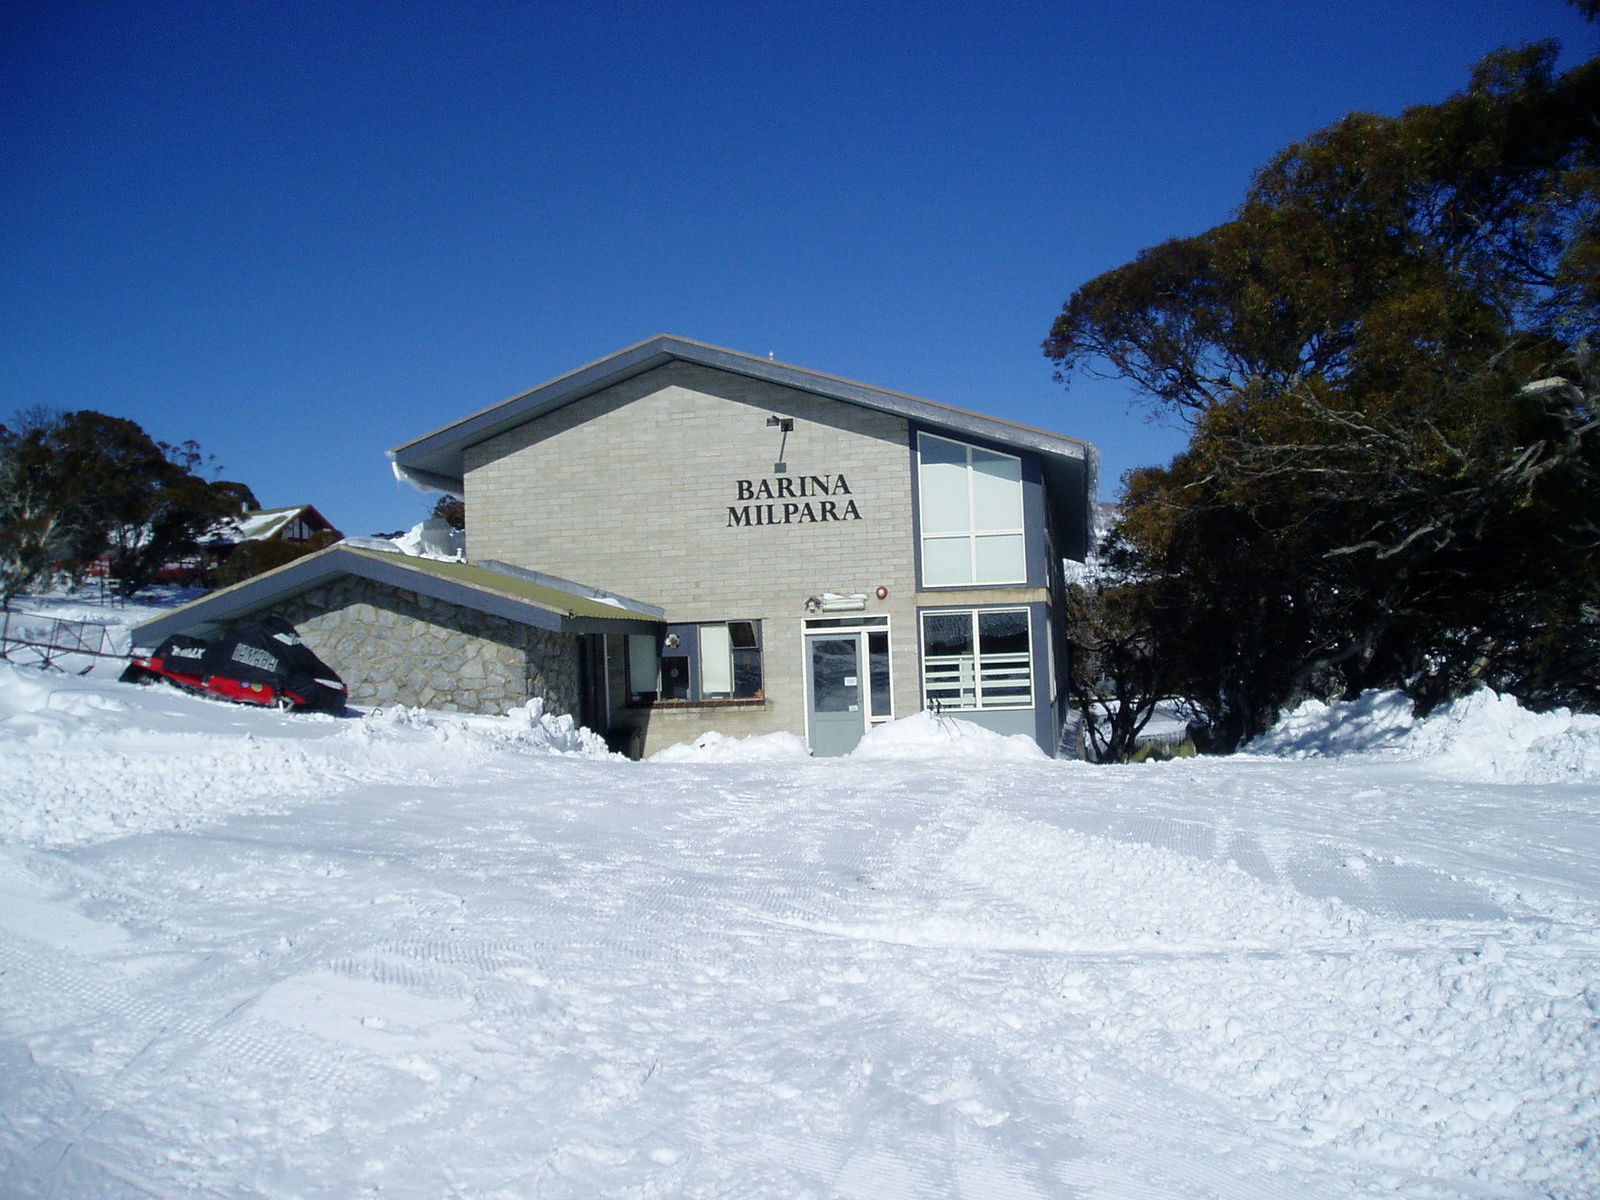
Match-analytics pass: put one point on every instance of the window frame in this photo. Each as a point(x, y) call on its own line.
point(686, 640)
point(974, 531)
point(978, 676)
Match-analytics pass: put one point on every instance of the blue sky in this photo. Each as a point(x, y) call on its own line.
point(302, 233)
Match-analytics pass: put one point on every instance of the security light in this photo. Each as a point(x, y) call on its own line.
point(786, 426)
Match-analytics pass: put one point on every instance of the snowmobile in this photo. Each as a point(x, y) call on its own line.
point(254, 662)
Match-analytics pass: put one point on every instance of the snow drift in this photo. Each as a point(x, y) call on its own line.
point(1484, 737)
point(925, 734)
point(712, 747)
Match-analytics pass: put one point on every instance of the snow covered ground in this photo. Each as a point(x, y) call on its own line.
point(408, 954)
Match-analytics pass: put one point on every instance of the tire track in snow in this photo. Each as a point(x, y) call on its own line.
point(130, 1054)
point(1328, 871)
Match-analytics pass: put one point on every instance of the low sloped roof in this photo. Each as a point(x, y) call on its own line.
point(544, 602)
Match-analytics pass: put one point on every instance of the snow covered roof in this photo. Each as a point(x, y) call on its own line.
point(264, 524)
point(543, 602)
point(434, 462)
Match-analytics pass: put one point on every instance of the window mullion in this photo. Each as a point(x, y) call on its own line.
point(977, 663)
point(972, 528)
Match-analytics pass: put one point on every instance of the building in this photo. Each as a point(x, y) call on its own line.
point(426, 633)
point(681, 538)
point(298, 523)
point(827, 555)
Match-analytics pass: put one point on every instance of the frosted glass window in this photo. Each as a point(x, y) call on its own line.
point(946, 507)
point(971, 509)
point(999, 556)
point(644, 664)
point(716, 661)
point(946, 560)
point(996, 491)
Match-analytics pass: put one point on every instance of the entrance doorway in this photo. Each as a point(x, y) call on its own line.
point(847, 684)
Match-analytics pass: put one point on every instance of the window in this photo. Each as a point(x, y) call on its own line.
point(971, 512)
point(881, 694)
point(718, 660)
point(977, 658)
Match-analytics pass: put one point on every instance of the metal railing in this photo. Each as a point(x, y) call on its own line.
point(39, 640)
point(959, 681)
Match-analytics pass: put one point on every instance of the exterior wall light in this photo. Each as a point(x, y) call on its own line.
point(785, 425)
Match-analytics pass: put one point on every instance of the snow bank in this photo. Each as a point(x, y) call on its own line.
point(76, 766)
point(86, 759)
point(46, 707)
point(528, 730)
point(924, 735)
point(920, 736)
point(1375, 721)
point(715, 747)
point(1493, 739)
point(1485, 737)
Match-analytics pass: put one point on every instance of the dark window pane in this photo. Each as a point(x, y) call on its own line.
point(835, 684)
point(878, 668)
point(1003, 632)
point(946, 633)
point(674, 677)
point(743, 635)
point(746, 674)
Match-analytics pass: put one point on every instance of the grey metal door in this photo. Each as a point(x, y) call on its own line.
point(833, 692)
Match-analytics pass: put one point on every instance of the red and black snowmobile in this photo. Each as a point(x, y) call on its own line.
point(254, 662)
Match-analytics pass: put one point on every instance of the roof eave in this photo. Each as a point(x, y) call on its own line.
point(396, 570)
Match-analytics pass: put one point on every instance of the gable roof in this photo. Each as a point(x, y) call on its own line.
point(264, 524)
point(434, 460)
point(540, 600)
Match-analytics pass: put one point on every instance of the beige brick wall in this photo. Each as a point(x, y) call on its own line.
point(630, 490)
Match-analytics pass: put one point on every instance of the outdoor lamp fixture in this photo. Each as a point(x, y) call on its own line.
point(831, 602)
point(786, 425)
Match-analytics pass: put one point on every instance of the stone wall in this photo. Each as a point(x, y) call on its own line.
point(393, 646)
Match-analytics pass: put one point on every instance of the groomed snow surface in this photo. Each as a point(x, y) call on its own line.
point(412, 954)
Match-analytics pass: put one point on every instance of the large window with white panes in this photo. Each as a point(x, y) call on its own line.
point(970, 509)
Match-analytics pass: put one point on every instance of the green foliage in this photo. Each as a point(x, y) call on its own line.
point(1373, 495)
point(452, 510)
point(1116, 672)
point(83, 484)
point(35, 530)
